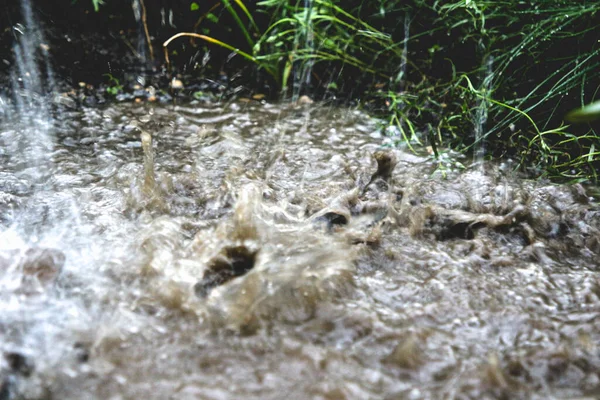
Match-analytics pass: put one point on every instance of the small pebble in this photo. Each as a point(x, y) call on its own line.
point(176, 84)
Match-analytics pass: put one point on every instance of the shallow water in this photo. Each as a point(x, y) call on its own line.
point(258, 254)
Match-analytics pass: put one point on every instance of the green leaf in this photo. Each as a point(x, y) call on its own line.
point(588, 113)
point(112, 90)
point(212, 17)
point(97, 4)
point(194, 6)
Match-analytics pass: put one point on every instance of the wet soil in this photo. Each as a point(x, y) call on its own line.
point(252, 250)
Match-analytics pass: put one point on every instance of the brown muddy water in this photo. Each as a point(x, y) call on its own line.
point(257, 251)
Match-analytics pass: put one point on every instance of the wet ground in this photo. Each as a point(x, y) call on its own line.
point(247, 250)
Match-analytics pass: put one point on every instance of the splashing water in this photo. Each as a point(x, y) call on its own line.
point(303, 77)
point(401, 77)
point(144, 50)
point(481, 112)
point(32, 81)
point(285, 262)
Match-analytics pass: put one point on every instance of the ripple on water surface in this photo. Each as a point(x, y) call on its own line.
point(258, 251)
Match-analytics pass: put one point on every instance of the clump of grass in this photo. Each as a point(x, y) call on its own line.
point(302, 35)
point(322, 32)
point(536, 82)
point(510, 58)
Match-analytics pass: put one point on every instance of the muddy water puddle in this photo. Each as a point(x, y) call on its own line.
point(274, 251)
